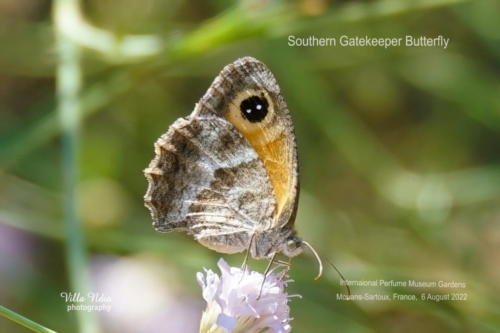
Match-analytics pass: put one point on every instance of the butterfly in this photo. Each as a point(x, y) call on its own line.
point(227, 174)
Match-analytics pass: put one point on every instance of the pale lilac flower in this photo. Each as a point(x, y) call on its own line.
point(234, 305)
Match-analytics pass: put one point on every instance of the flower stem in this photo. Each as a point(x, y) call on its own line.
point(68, 84)
point(21, 320)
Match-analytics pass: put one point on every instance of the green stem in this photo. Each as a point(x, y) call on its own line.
point(21, 320)
point(68, 84)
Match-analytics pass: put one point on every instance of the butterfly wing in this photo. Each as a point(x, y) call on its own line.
point(229, 171)
point(208, 181)
point(245, 84)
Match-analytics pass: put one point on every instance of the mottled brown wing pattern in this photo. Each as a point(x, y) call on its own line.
point(228, 173)
point(273, 138)
point(208, 181)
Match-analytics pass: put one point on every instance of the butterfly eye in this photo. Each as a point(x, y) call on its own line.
point(293, 242)
point(254, 108)
point(293, 246)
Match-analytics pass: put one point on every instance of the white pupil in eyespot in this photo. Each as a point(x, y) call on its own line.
point(254, 108)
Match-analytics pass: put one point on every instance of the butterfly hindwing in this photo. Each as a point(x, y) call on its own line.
point(208, 181)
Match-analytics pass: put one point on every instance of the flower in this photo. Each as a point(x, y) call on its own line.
point(234, 305)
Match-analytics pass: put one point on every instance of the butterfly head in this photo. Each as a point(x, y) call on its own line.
point(292, 246)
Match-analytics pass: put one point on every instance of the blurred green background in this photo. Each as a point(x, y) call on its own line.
point(399, 151)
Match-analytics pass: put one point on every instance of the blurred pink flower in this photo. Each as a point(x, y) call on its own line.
point(145, 295)
point(234, 305)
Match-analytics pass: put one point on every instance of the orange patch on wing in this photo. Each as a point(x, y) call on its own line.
point(275, 155)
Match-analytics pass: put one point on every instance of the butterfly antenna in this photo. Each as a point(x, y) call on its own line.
point(341, 276)
point(317, 258)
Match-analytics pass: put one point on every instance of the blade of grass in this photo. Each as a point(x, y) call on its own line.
point(47, 127)
point(23, 321)
point(234, 25)
point(68, 84)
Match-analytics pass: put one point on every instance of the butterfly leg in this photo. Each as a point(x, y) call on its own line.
point(265, 274)
point(245, 260)
point(286, 264)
